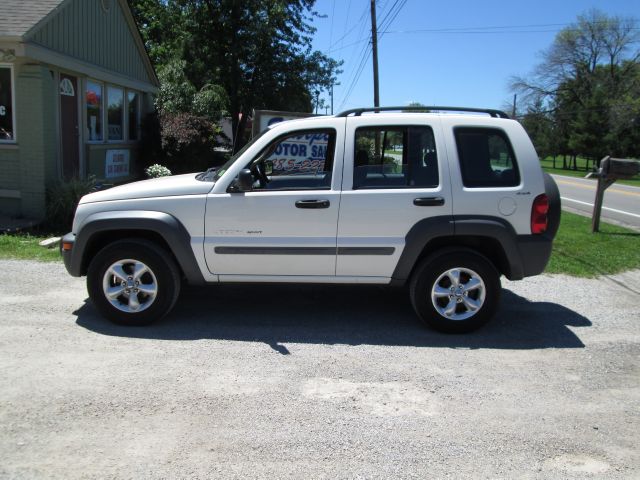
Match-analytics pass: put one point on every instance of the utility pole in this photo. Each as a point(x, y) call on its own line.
point(513, 112)
point(332, 97)
point(374, 46)
point(376, 92)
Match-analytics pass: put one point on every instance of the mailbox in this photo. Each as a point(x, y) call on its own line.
point(619, 167)
point(611, 169)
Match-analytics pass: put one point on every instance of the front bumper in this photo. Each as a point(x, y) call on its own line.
point(66, 251)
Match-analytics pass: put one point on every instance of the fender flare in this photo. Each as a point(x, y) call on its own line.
point(163, 224)
point(433, 228)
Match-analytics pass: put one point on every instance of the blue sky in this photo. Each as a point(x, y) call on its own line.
point(469, 66)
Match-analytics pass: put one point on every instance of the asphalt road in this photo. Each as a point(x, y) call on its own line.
point(621, 202)
point(319, 382)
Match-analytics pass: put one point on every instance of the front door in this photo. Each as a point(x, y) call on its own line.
point(70, 133)
point(286, 224)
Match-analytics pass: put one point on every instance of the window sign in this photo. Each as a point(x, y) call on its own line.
point(133, 100)
point(94, 111)
point(117, 164)
point(300, 154)
point(115, 111)
point(7, 132)
point(66, 88)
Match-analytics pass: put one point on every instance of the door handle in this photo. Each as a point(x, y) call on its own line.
point(312, 203)
point(428, 202)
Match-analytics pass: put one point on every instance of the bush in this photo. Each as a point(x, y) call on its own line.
point(183, 142)
point(156, 171)
point(62, 199)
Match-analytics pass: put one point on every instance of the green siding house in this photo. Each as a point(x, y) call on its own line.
point(75, 81)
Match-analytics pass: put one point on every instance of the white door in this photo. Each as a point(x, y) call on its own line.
point(286, 224)
point(395, 175)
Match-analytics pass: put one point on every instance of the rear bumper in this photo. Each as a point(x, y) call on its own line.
point(66, 250)
point(535, 251)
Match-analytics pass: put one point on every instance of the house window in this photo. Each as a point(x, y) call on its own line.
point(7, 117)
point(133, 106)
point(115, 113)
point(94, 111)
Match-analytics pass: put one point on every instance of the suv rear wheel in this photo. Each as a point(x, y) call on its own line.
point(455, 291)
point(133, 282)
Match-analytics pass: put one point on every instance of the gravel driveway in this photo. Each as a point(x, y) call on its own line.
point(318, 382)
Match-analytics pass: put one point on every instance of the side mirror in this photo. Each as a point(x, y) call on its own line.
point(244, 182)
point(268, 167)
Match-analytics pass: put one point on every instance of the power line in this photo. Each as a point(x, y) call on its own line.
point(366, 52)
point(392, 16)
point(333, 12)
point(531, 28)
point(387, 14)
point(350, 30)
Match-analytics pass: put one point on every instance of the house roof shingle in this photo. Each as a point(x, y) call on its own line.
point(20, 16)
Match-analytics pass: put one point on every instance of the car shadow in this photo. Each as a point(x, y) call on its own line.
point(352, 315)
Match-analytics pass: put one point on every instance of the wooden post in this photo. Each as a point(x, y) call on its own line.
point(611, 169)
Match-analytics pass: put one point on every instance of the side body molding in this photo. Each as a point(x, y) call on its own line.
point(163, 224)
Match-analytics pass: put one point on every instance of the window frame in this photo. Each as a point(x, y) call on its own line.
point(102, 110)
point(500, 132)
point(331, 148)
point(123, 115)
point(138, 114)
point(403, 127)
point(14, 126)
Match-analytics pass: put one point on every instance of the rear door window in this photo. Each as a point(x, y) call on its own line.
point(486, 158)
point(395, 157)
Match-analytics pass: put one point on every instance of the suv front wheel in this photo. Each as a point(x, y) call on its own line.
point(133, 282)
point(455, 291)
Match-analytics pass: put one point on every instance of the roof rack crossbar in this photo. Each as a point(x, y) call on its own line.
point(426, 108)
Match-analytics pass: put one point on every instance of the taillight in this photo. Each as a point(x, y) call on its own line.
point(539, 211)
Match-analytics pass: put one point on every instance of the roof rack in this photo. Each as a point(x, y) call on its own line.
point(426, 108)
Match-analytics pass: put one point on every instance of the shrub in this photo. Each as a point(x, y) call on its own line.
point(156, 171)
point(62, 199)
point(183, 142)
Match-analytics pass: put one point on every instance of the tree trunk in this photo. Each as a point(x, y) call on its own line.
point(554, 161)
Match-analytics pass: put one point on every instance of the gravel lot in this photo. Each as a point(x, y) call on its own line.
point(318, 382)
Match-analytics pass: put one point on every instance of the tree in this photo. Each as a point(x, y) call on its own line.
point(585, 81)
point(258, 52)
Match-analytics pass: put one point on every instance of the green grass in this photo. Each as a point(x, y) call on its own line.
point(547, 166)
point(25, 246)
point(580, 253)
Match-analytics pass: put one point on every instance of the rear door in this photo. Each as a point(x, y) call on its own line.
point(395, 175)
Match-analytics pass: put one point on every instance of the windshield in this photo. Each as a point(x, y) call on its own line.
point(221, 171)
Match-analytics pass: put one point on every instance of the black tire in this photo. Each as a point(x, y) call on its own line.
point(162, 277)
point(433, 270)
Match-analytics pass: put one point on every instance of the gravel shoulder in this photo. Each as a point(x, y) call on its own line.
point(319, 382)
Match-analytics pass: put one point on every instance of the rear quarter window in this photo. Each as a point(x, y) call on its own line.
point(486, 158)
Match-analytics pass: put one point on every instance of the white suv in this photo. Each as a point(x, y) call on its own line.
point(444, 201)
